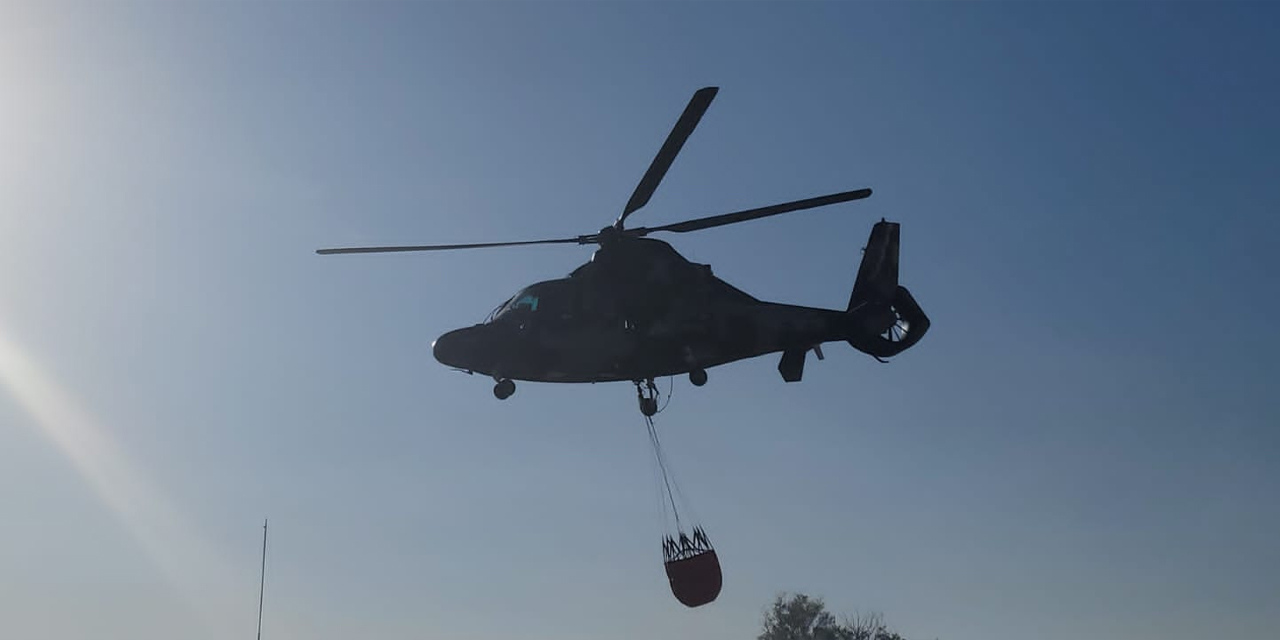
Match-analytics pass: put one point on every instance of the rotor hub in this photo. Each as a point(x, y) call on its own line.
point(609, 235)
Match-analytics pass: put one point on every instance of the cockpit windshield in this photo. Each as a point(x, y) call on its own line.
point(535, 299)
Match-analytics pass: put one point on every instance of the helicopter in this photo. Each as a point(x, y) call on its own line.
point(638, 310)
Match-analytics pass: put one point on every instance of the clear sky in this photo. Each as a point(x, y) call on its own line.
point(1085, 444)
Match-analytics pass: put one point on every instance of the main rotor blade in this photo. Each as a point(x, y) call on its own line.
point(447, 247)
point(667, 154)
point(753, 214)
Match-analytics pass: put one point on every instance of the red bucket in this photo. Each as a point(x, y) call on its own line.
point(695, 580)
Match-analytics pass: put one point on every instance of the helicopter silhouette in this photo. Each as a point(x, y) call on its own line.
point(638, 310)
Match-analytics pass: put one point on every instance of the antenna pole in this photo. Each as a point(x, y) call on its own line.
point(262, 581)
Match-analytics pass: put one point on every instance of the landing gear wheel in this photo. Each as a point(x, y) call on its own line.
point(504, 389)
point(698, 377)
point(647, 394)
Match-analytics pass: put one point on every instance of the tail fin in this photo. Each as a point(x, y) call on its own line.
point(886, 320)
point(878, 273)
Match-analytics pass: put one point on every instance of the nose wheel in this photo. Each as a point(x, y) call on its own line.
point(647, 394)
point(698, 377)
point(504, 389)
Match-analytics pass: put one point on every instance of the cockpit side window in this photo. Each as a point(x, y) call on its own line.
point(533, 300)
point(527, 300)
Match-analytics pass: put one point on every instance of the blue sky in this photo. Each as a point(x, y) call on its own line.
point(1084, 443)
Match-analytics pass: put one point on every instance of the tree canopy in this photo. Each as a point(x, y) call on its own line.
point(801, 617)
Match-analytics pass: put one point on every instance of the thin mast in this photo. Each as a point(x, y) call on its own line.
point(262, 581)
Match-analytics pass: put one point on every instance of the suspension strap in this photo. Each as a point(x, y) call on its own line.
point(662, 466)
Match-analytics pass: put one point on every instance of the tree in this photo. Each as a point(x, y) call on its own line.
point(800, 617)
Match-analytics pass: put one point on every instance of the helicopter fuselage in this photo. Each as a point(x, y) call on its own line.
point(639, 310)
point(591, 349)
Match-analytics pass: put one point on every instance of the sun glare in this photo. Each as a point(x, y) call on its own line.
point(187, 563)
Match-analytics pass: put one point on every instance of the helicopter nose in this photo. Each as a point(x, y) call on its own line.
point(447, 348)
point(460, 348)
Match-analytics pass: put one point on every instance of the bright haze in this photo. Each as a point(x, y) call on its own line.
point(1085, 443)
